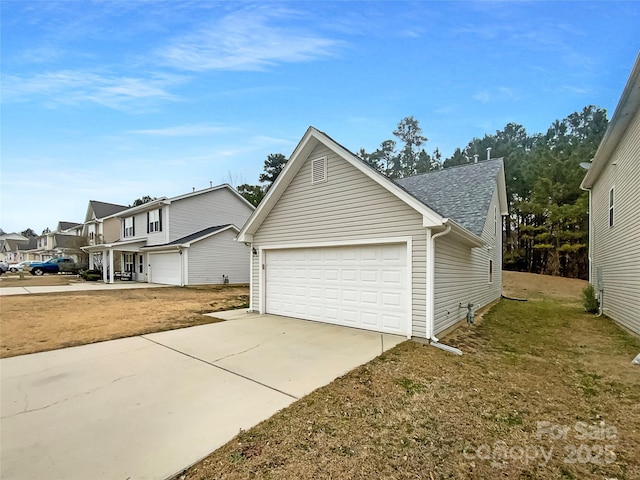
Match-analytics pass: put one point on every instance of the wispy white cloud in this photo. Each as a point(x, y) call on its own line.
point(497, 94)
point(186, 131)
point(246, 40)
point(73, 87)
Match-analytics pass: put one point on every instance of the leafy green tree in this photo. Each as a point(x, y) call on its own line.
point(28, 233)
point(142, 200)
point(409, 133)
point(386, 157)
point(273, 165)
point(252, 193)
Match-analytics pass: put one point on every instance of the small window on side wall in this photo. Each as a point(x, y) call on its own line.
point(611, 207)
point(490, 271)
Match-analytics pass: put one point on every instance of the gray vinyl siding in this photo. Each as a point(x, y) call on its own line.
point(349, 206)
point(140, 230)
point(462, 273)
point(195, 213)
point(218, 255)
point(616, 250)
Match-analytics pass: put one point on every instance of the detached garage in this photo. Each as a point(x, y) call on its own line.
point(335, 241)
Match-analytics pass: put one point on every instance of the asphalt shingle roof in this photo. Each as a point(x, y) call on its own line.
point(461, 193)
point(193, 236)
point(103, 209)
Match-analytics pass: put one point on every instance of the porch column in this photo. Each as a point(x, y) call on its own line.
point(105, 255)
point(111, 276)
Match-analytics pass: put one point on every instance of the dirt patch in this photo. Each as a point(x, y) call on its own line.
point(529, 371)
point(532, 286)
point(37, 323)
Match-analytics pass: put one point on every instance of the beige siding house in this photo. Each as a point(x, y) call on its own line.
point(183, 240)
point(613, 182)
point(337, 242)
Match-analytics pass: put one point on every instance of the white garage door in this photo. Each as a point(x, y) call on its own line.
point(165, 268)
point(357, 286)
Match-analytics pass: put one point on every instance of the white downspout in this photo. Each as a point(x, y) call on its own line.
point(431, 276)
point(250, 277)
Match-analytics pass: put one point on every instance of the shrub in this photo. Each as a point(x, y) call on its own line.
point(589, 300)
point(91, 275)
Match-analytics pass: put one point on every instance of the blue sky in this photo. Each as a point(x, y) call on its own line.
point(113, 100)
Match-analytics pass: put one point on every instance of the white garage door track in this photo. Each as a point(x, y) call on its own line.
point(147, 407)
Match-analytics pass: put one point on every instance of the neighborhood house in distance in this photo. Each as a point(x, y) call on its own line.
point(336, 241)
point(184, 240)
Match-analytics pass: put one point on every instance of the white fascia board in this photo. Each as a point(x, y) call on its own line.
point(140, 208)
point(626, 110)
point(502, 192)
point(212, 189)
point(310, 140)
point(228, 227)
point(293, 165)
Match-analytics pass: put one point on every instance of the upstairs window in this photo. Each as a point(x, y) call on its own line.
point(129, 227)
point(154, 221)
point(611, 207)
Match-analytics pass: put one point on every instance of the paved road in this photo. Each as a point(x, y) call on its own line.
point(147, 407)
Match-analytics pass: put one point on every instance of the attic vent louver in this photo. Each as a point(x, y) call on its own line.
point(319, 170)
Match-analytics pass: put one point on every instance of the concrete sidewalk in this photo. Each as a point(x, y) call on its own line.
point(77, 287)
point(147, 407)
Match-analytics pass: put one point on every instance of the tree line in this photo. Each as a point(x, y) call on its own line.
point(547, 228)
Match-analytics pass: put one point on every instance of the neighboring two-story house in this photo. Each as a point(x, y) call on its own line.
point(66, 240)
point(10, 244)
point(184, 240)
point(101, 226)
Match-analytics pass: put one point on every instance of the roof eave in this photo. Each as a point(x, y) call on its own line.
point(625, 111)
point(309, 141)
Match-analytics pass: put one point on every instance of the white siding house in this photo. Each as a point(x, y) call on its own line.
point(337, 242)
point(613, 182)
point(184, 240)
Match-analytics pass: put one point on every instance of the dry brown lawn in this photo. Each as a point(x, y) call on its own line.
point(543, 391)
point(28, 280)
point(37, 323)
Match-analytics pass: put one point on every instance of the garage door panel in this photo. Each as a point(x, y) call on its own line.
point(358, 286)
point(166, 268)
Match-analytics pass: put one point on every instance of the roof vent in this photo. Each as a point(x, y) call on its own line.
point(488, 153)
point(475, 158)
point(319, 170)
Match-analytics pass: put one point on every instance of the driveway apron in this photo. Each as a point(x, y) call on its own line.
point(148, 407)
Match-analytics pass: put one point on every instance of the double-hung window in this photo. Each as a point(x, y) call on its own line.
point(154, 221)
point(129, 227)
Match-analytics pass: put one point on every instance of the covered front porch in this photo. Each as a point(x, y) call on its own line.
point(119, 260)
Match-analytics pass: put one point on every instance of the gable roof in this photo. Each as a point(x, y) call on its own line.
point(62, 226)
point(312, 138)
point(159, 202)
point(462, 193)
point(30, 245)
point(103, 209)
point(66, 241)
point(626, 110)
point(187, 240)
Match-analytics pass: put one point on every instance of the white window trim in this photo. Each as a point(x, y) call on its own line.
point(611, 211)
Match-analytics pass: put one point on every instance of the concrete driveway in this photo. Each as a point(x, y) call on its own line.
point(149, 406)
